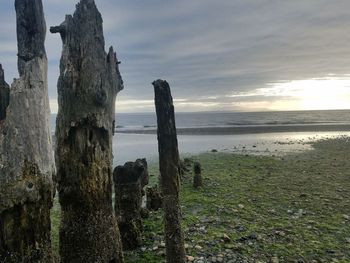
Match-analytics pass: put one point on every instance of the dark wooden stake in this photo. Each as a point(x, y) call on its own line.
point(87, 87)
point(4, 94)
point(197, 179)
point(169, 172)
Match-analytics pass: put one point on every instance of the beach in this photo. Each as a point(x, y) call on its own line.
point(290, 208)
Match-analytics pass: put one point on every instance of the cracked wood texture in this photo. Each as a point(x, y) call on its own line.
point(87, 87)
point(26, 156)
point(169, 172)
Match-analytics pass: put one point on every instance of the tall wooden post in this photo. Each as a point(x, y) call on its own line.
point(87, 87)
point(169, 172)
point(4, 94)
point(26, 158)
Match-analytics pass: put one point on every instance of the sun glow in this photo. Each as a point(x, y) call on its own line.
point(312, 94)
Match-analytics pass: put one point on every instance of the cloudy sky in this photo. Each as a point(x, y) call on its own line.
point(242, 55)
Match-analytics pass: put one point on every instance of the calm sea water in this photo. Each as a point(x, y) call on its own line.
point(128, 147)
point(220, 119)
point(215, 119)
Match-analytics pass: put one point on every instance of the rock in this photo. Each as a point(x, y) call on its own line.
point(189, 258)
point(87, 87)
point(274, 260)
point(240, 206)
point(162, 245)
point(155, 248)
point(169, 161)
point(27, 164)
point(347, 217)
point(226, 238)
point(198, 247)
point(129, 181)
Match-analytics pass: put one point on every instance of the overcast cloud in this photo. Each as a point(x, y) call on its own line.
point(216, 55)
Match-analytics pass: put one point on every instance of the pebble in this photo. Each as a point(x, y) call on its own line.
point(347, 217)
point(198, 247)
point(162, 245)
point(189, 258)
point(226, 238)
point(155, 248)
point(274, 260)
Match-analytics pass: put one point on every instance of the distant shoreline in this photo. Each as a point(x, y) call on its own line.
point(231, 130)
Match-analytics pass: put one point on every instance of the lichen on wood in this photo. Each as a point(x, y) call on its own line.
point(87, 87)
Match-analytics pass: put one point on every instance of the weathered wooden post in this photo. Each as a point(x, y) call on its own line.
point(4, 94)
point(197, 179)
point(26, 158)
point(129, 180)
point(87, 87)
point(154, 199)
point(169, 172)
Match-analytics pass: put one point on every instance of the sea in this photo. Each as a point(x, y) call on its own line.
point(221, 119)
point(130, 146)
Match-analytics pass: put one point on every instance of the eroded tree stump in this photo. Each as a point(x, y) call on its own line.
point(129, 181)
point(169, 163)
point(26, 158)
point(197, 179)
point(87, 87)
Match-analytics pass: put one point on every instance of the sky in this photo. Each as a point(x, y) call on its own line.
point(222, 55)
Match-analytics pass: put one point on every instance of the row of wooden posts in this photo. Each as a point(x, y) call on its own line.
point(81, 170)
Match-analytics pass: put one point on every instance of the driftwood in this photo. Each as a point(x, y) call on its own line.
point(129, 181)
point(26, 158)
point(87, 87)
point(169, 163)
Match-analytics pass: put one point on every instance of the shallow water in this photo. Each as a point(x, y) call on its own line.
point(128, 147)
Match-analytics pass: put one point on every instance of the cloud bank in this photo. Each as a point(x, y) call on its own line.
point(216, 55)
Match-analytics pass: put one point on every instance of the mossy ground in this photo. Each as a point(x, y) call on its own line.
point(295, 208)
